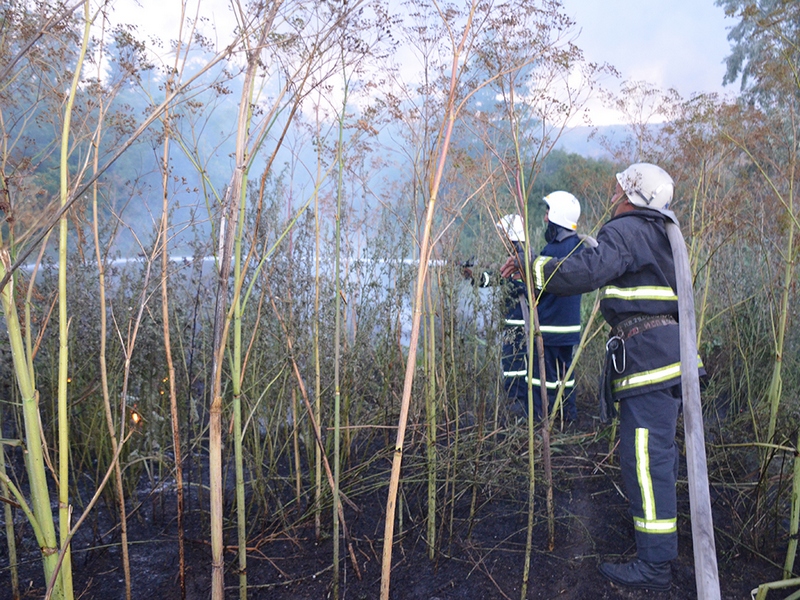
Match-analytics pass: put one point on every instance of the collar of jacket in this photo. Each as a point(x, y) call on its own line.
point(557, 233)
point(650, 214)
point(564, 233)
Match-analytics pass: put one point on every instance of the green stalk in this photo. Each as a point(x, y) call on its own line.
point(534, 336)
point(765, 588)
point(794, 521)
point(40, 497)
point(795, 511)
point(9, 517)
point(236, 368)
point(457, 409)
point(776, 383)
point(52, 582)
point(298, 474)
point(478, 446)
point(64, 510)
point(337, 334)
point(430, 411)
point(241, 507)
point(317, 366)
point(232, 222)
point(9, 486)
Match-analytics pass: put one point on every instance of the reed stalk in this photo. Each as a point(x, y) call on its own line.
point(165, 320)
point(794, 518)
point(430, 412)
point(477, 460)
point(316, 344)
point(774, 393)
point(230, 232)
point(64, 509)
point(337, 333)
point(785, 307)
point(173, 399)
point(119, 490)
point(535, 348)
point(52, 583)
point(425, 247)
point(40, 515)
point(298, 474)
point(545, 428)
point(8, 513)
point(457, 410)
point(236, 382)
point(315, 427)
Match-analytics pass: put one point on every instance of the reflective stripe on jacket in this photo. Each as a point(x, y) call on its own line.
point(560, 316)
point(632, 265)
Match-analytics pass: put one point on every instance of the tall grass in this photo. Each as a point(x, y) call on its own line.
point(348, 313)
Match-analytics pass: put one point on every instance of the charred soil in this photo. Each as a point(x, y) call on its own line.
point(480, 543)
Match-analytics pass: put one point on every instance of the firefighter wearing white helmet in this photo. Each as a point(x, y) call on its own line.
point(633, 266)
point(513, 228)
point(647, 186)
point(514, 353)
point(563, 209)
point(559, 317)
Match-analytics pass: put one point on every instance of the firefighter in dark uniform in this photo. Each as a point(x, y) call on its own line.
point(633, 265)
point(514, 352)
point(559, 316)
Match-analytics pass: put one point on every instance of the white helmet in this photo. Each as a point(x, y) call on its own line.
point(513, 227)
point(647, 185)
point(564, 209)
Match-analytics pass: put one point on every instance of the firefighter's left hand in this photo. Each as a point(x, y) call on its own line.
point(510, 268)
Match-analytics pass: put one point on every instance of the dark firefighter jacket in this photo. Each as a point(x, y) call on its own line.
point(633, 266)
point(560, 316)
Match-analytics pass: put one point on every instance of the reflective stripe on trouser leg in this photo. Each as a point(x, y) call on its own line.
point(648, 524)
point(557, 360)
point(648, 457)
point(515, 365)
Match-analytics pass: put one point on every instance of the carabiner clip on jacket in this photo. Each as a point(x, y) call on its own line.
point(613, 347)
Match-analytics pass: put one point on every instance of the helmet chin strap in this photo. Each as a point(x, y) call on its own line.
point(653, 195)
point(657, 190)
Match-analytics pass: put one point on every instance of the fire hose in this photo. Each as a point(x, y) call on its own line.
point(705, 556)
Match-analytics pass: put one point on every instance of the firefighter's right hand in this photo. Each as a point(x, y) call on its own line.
point(510, 268)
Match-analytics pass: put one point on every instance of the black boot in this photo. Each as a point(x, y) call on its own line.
point(639, 574)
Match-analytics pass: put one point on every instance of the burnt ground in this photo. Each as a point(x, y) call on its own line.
point(477, 558)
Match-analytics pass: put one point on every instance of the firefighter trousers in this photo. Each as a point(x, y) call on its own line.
point(649, 465)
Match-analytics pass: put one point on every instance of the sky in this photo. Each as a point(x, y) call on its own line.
point(680, 44)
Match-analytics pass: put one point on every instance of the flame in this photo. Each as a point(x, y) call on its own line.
point(136, 417)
